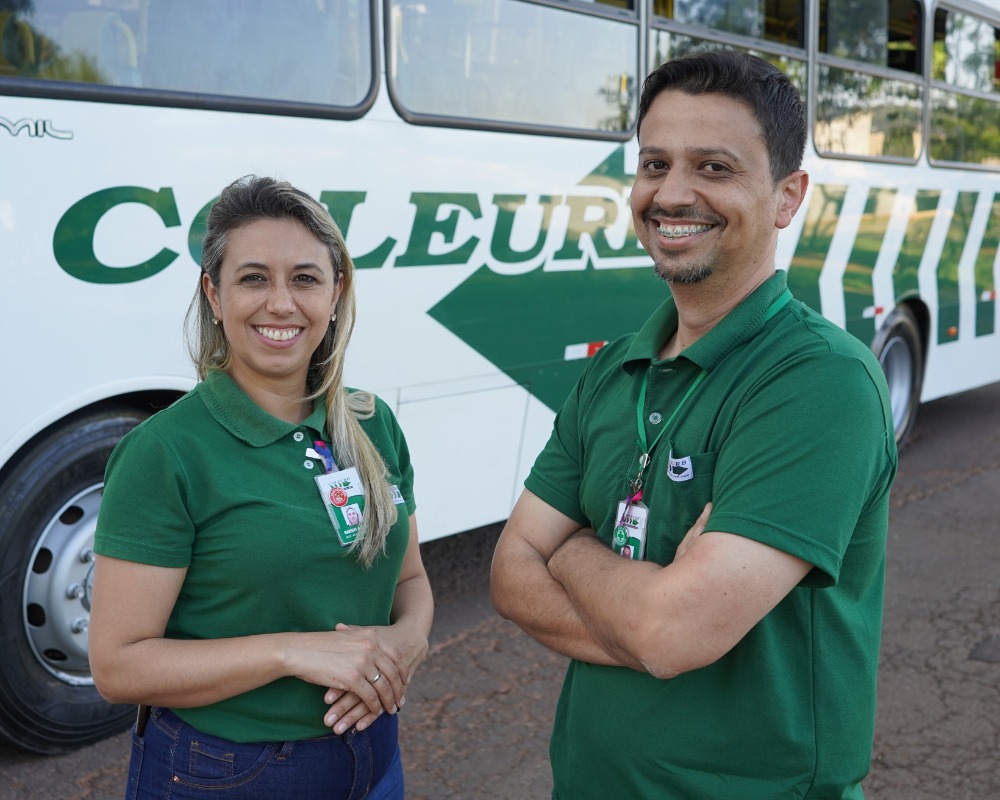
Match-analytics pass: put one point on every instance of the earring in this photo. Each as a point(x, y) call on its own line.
point(215, 321)
point(333, 318)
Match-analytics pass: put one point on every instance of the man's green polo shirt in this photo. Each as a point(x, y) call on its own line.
point(219, 486)
point(789, 434)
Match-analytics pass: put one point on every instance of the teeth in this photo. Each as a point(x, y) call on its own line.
point(680, 231)
point(276, 335)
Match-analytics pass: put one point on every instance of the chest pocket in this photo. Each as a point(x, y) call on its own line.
point(680, 487)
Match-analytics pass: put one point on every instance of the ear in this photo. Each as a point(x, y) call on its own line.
point(337, 291)
point(212, 293)
point(791, 192)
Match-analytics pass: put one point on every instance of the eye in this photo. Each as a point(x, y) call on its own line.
point(716, 168)
point(305, 279)
point(655, 165)
point(252, 279)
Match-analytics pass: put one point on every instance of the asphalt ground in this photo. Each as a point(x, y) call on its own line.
point(477, 719)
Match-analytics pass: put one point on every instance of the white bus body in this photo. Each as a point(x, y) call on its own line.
point(485, 199)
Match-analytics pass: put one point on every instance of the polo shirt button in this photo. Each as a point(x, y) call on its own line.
point(308, 464)
point(298, 436)
point(655, 418)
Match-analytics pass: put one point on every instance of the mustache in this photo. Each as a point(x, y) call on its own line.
point(683, 213)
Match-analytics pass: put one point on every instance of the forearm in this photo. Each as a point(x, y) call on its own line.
point(411, 616)
point(526, 593)
point(184, 673)
point(604, 591)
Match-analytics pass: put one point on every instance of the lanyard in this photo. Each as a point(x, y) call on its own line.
point(322, 453)
point(635, 486)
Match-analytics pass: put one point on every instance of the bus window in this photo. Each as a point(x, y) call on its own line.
point(965, 51)
point(771, 29)
point(771, 20)
point(965, 106)
point(17, 45)
point(868, 116)
point(298, 51)
point(864, 107)
point(880, 34)
point(506, 61)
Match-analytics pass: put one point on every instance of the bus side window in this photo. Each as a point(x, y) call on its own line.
point(859, 110)
point(513, 62)
point(884, 34)
point(17, 45)
point(102, 46)
point(184, 39)
point(965, 114)
point(296, 52)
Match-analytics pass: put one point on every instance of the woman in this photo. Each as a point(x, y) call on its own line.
point(273, 638)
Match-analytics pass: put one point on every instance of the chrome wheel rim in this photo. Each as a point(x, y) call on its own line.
point(58, 583)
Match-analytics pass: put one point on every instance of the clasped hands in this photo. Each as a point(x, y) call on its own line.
point(383, 680)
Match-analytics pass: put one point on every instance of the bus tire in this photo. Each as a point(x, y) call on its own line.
point(899, 349)
point(48, 512)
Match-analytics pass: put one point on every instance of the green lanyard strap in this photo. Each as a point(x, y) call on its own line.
point(636, 485)
point(640, 407)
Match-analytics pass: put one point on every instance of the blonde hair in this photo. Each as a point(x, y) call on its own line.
point(246, 200)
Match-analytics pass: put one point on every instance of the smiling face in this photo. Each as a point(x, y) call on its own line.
point(704, 204)
point(277, 290)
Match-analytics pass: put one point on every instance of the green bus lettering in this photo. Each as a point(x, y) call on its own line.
point(73, 241)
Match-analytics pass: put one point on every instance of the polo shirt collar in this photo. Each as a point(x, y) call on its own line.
point(739, 325)
point(233, 409)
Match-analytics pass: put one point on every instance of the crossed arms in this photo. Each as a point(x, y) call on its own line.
point(577, 597)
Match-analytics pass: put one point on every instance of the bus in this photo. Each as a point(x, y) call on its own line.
point(478, 155)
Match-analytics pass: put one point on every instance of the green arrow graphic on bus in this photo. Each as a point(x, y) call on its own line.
point(523, 323)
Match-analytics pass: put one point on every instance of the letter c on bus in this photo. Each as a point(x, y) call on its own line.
point(73, 241)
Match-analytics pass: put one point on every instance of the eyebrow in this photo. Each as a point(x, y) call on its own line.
point(308, 265)
point(703, 152)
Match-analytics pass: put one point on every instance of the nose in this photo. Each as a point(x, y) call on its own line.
point(675, 189)
point(280, 301)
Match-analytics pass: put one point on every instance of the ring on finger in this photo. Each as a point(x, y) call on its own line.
point(378, 676)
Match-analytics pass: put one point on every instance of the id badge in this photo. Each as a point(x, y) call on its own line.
point(344, 498)
point(629, 538)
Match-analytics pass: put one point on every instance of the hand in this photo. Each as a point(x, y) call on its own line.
point(694, 532)
point(346, 660)
point(347, 708)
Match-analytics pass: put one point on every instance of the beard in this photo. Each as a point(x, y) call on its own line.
point(676, 274)
point(672, 268)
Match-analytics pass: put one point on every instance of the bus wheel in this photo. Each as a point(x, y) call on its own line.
point(48, 512)
point(898, 349)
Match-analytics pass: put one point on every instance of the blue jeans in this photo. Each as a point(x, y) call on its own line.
point(173, 761)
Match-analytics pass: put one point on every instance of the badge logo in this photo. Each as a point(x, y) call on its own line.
point(680, 469)
point(338, 497)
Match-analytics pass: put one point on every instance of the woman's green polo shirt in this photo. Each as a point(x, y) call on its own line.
point(219, 486)
point(790, 435)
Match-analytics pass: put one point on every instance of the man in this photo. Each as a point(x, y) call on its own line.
point(747, 445)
